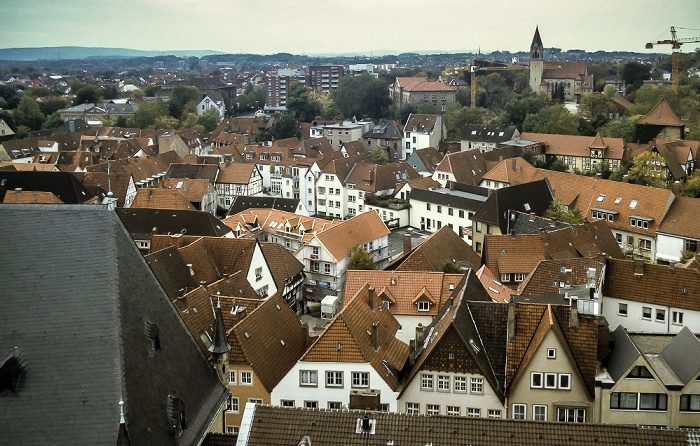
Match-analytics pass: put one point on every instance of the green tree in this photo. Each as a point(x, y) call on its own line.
point(592, 105)
point(518, 108)
point(360, 259)
point(286, 127)
point(121, 121)
point(302, 104)
point(39, 92)
point(148, 111)
point(379, 155)
point(691, 186)
point(457, 117)
point(166, 121)
point(621, 128)
point(29, 114)
point(362, 96)
point(209, 119)
point(552, 119)
point(634, 74)
point(86, 95)
point(609, 91)
point(53, 105)
point(427, 108)
point(54, 120)
point(329, 110)
point(150, 90)
point(451, 268)
point(179, 97)
point(403, 112)
point(559, 212)
point(22, 132)
point(649, 169)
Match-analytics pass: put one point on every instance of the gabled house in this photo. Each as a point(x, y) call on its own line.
point(419, 90)
point(425, 160)
point(237, 179)
point(584, 153)
point(506, 173)
point(120, 381)
point(287, 272)
point(660, 123)
point(650, 380)
point(422, 131)
point(199, 192)
point(462, 167)
point(551, 363)
point(356, 352)
point(161, 199)
point(413, 297)
point(435, 252)
point(486, 137)
point(678, 235)
point(211, 100)
point(121, 185)
point(387, 135)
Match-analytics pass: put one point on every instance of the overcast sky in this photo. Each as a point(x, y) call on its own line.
point(346, 26)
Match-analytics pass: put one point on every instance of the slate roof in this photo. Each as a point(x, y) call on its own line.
point(62, 184)
point(242, 203)
point(350, 328)
point(400, 288)
point(439, 248)
point(488, 133)
point(652, 283)
point(142, 223)
point(386, 129)
point(171, 271)
point(289, 426)
point(528, 223)
point(89, 349)
point(661, 114)
point(530, 197)
point(340, 239)
point(462, 196)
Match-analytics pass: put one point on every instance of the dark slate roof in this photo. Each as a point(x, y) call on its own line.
point(171, 271)
point(71, 126)
point(534, 197)
point(682, 354)
point(386, 129)
point(461, 197)
point(62, 184)
point(488, 133)
point(622, 355)
point(82, 335)
point(241, 203)
point(206, 171)
point(141, 223)
point(267, 425)
point(527, 223)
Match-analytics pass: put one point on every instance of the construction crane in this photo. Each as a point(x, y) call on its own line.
point(481, 65)
point(675, 43)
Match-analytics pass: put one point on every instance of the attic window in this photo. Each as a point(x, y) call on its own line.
point(618, 200)
point(473, 345)
point(176, 415)
point(527, 206)
point(633, 204)
point(600, 198)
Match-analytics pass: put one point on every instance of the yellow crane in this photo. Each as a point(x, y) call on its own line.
point(481, 65)
point(675, 43)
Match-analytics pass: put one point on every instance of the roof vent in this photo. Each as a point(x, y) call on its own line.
point(365, 425)
point(176, 415)
point(11, 372)
point(151, 331)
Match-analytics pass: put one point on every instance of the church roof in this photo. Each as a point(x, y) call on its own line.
point(662, 114)
point(536, 40)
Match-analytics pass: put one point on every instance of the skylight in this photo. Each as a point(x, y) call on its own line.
point(633, 204)
point(600, 198)
point(618, 200)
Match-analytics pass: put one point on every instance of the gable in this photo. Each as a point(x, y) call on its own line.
point(335, 345)
point(451, 355)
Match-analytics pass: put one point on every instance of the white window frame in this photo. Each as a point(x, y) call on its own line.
point(432, 409)
point(233, 406)
point(622, 309)
point(473, 412)
point(443, 383)
point(533, 376)
point(308, 378)
point(460, 384)
point(677, 317)
point(546, 377)
point(551, 353)
point(232, 377)
point(494, 413)
point(519, 412)
point(476, 385)
point(454, 411)
point(427, 382)
point(538, 408)
point(567, 377)
point(246, 378)
point(359, 379)
point(334, 378)
point(413, 408)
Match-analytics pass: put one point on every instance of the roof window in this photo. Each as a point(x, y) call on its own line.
point(600, 198)
point(618, 200)
point(633, 204)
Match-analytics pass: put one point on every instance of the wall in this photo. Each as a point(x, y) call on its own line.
point(635, 322)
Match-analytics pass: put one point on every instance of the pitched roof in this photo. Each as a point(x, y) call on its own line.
point(112, 299)
point(62, 184)
point(507, 171)
point(142, 223)
point(285, 425)
point(208, 171)
point(20, 196)
point(661, 114)
point(429, 156)
point(161, 199)
point(352, 330)
point(681, 218)
point(254, 220)
point(497, 291)
point(529, 197)
point(401, 287)
point(467, 167)
point(117, 182)
point(488, 133)
point(652, 283)
point(556, 69)
point(421, 84)
point(560, 275)
point(421, 123)
point(283, 265)
point(441, 247)
point(386, 129)
point(340, 239)
point(242, 203)
point(575, 145)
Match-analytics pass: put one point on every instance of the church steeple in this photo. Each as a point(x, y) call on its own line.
point(536, 47)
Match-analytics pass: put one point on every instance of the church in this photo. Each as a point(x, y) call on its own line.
point(548, 76)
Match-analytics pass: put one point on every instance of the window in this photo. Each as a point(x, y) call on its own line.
point(660, 315)
point(334, 379)
point(640, 372)
point(262, 291)
point(453, 411)
point(433, 409)
point(677, 317)
point(539, 412)
point(638, 401)
point(258, 273)
point(311, 404)
point(473, 412)
point(232, 377)
point(427, 206)
point(384, 407)
point(443, 383)
point(255, 400)
point(550, 380)
point(489, 229)
point(439, 209)
point(565, 381)
point(360, 379)
point(232, 404)
point(232, 430)
point(308, 378)
point(646, 313)
point(519, 411)
point(426, 381)
point(622, 309)
point(494, 413)
point(644, 245)
point(460, 383)
point(246, 378)
point(412, 408)
point(551, 353)
point(335, 405)
point(571, 415)
point(519, 277)
point(327, 268)
point(287, 403)
point(536, 380)
point(477, 385)
point(478, 226)
point(690, 403)
point(314, 266)
point(423, 306)
point(505, 277)
point(478, 247)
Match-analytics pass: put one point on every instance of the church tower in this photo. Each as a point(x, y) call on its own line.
point(536, 61)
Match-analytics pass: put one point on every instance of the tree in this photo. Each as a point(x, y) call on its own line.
point(166, 121)
point(557, 211)
point(300, 102)
point(329, 110)
point(457, 117)
point(148, 111)
point(150, 90)
point(403, 112)
point(29, 114)
point(39, 92)
point(286, 127)
point(623, 127)
point(593, 104)
point(691, 186)
point(179, 97)
point(451, 268)
point(552, 119)
point(22, 132)
point(362, 96)
point(649, 169)
point(54, 120)
point(634, 74)
point(427, 108)
point(360, 259)
point(86, 95)
point(53, 105)
point(379, 155)
point(209, 119)
point(518, 108)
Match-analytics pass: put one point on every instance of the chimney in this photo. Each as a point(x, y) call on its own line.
point(411, 352)
point(184, 185)
point(602, 258)
point(419, 333)
point(500, 158)
point(406, 244)
point(639, 267)
point(307, 336)
point(512, 234)
point(511, 319)
point(18, 190)
point(573, 316)
point(532, 216)
point(374, 336)
point(371, 299)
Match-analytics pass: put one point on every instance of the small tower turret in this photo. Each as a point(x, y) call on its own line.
point(536, 61)
point(220, 347)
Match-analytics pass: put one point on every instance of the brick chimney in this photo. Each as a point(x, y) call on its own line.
point(639, 267)
point(374, 336)
point(573, 316)
point(371, 299)
point(406, 244)
point(511, 319)
point(419, 333)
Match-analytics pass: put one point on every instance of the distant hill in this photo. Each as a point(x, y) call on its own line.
point(81, 52)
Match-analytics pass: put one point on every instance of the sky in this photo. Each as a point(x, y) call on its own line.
point(347, 26)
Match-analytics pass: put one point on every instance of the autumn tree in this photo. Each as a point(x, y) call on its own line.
point(649, 169)
point(379, 155)
point(360, 259)
point(558, 211)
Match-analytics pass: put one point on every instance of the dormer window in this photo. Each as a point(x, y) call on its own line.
point(423, 306)
point(640, 372)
